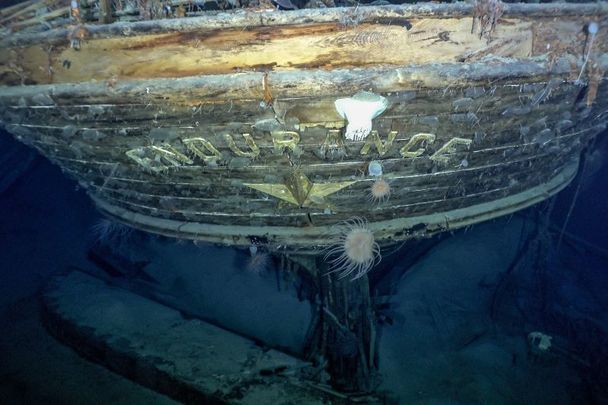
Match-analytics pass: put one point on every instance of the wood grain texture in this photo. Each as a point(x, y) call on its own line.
point(329, 46)
point(191, 125)
point(503, 120)
point(241, 42)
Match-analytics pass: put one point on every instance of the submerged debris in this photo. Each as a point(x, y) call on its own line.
point(486, 15)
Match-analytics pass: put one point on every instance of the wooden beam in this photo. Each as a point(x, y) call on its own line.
point(8, 11)
point(346, 16)
point(40, 19)
point(105, 11)
point(290, 84)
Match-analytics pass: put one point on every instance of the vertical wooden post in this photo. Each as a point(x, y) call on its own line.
point(347, 307)
point(345, 333)
point(105, 11)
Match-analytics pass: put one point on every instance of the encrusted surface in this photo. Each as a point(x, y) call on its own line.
point(219, 125)
point(154, 345)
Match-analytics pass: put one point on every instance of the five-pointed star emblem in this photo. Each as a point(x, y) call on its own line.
point(299, 190)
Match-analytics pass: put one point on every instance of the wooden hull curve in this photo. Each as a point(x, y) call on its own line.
point(249, 148)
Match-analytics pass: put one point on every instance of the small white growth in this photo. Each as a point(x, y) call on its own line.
point(112, 233)
point(253, 250)
point(374, 168)
point(359, 110)
point(258, 260)
point(540, 340)
point(592, 29)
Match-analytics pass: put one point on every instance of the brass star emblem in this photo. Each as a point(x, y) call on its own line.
point(299, 190)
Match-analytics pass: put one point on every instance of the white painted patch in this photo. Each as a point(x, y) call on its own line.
point(359, 110)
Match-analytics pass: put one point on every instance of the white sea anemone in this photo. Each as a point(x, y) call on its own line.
point(106, 231)
point(380, 191)
point(258, 261)
point(355, 250)
point(359, 110)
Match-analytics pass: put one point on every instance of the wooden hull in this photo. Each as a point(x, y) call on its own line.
point(199, 132)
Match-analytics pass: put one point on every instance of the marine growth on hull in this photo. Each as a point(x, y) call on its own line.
point(320, 135)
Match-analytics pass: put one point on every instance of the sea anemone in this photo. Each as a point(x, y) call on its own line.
point(106, 231)
point(258, 260)
point(380, 191)
point(355, 250)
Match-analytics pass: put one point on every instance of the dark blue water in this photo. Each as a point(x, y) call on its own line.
point(46, 224)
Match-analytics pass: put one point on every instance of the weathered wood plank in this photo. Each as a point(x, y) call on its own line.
point(308, 239)
point(181, 54)
point(414, 190)
point(217, 124)
point(500, 142)
point(388, 15)
point(267, 163)
point(195, 91)
point(494, 99)
point(327, 45)
point(441, 203)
